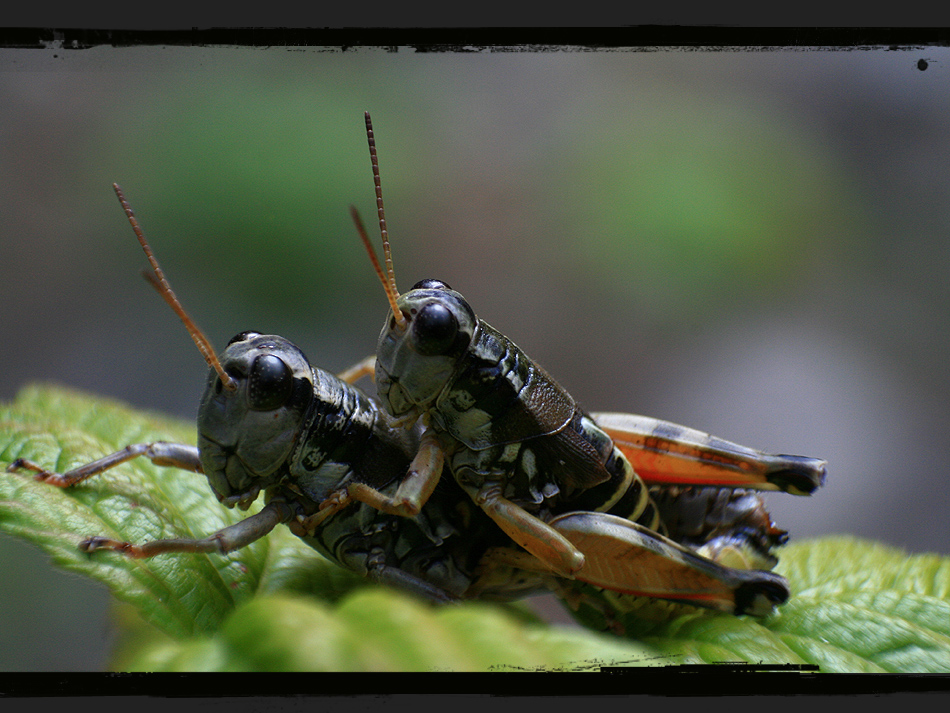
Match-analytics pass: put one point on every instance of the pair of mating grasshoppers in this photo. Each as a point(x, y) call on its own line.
point(539, 495)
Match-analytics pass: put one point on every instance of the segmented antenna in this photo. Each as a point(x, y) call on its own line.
point(389, 279)
point(361, 229)
point(158, 281)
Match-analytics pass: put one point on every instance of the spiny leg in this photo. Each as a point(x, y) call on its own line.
point(382, 573)
point(537, 537)
point(176, 455)
point(226, 540)
point(628, 558)
point(498, 565)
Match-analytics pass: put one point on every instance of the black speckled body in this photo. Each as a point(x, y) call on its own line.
point(507, 420)
point(562, 485)
point(327, 434)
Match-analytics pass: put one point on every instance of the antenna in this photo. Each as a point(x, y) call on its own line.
point(389, 279)
point(361, 229)
point(158, 281)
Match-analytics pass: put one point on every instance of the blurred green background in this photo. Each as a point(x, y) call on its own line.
point(753, 244)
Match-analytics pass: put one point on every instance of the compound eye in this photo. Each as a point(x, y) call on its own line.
point(269, 383)
point(243, 336)
point(430, 284)
point(434, 329)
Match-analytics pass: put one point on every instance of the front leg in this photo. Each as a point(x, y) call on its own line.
point(415, 489)
point(226, 540)
point(366, 367)
point(175, 455)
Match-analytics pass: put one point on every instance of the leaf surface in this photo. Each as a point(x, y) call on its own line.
point(277, 605)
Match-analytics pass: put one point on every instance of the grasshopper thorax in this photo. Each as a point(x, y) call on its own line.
point(245, 435)
point(415, 360)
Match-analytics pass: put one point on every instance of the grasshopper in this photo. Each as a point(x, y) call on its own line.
point(269, 422)
point(571, 488)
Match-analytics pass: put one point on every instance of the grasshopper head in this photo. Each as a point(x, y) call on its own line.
point(245, 434)
point(415, 359)
point(427, 330)
point(255, 402)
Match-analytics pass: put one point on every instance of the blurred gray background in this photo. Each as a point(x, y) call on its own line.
point(754, 244)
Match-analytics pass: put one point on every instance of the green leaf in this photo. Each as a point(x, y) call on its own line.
point(134, 502)
point(278, 606)
point(864, 606)
point(382, 630)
